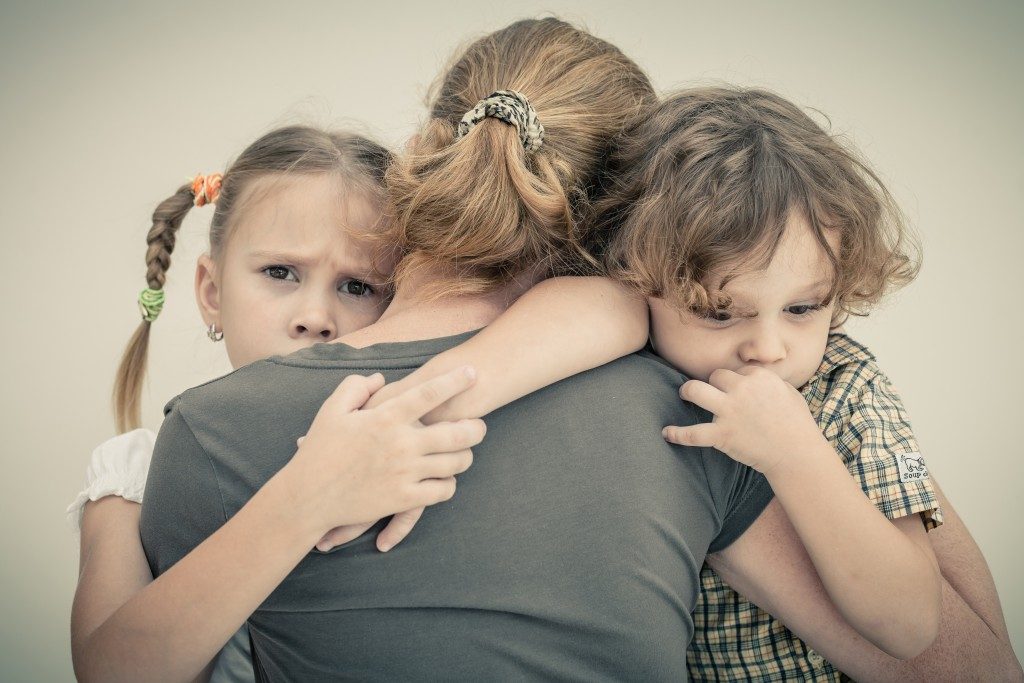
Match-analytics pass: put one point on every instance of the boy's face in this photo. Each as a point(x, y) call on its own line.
point(291, 274)
point(777, 319)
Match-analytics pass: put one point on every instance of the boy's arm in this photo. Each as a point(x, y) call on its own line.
point(770, 567)
point(881, 574)
point(560, 327)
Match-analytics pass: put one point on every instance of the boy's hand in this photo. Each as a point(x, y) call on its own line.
point(356, 466)
point(760, 420)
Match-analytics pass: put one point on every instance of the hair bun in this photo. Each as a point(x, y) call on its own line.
point(513, 108)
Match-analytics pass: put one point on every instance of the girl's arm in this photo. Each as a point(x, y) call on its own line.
point(560, 327)
point(113, 569)
point(112, 565)
point(171, 628)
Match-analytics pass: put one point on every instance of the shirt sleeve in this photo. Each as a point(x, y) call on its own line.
point(881, 453)
point(183, 505)
point(741, 494)
point(118, 467)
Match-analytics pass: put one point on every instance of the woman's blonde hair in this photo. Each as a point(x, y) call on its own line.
point(289, 150)
point(706, 183)
point(481, 205)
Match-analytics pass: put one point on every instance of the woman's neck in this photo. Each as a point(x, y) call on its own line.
point(411, 316)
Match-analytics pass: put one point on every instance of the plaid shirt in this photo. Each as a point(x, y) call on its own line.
point(863, 418)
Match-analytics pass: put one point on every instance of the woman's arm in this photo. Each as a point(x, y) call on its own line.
point(770, 567)
point(973, 643)
point(559, 328)
point(172, 628)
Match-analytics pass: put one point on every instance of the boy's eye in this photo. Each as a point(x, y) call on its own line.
point(280, 273)
point(803, 309)
point(356, 288)
point(718, 315)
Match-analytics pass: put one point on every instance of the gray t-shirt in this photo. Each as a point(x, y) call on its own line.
point(571, 550)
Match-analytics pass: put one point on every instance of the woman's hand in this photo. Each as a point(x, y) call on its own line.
point(760, 420)
point(356, 466)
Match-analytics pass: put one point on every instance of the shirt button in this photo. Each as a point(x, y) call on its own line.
point(814, 658)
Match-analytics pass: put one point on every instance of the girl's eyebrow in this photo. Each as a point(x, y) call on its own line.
point(282, 256)
point(349, 264)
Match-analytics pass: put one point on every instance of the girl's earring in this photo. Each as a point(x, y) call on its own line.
point(213, 334)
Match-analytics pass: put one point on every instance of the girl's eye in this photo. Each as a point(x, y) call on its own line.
point(804, 309)
point(280, 273)
point(356, 288)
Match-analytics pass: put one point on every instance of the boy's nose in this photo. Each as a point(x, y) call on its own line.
point(765, 348)
point(314, 323)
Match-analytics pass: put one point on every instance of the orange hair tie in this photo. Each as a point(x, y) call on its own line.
point(206, 189)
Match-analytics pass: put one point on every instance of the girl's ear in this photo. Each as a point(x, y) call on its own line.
point(208, 290)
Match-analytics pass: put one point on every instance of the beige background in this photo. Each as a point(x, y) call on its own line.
point(106, 109)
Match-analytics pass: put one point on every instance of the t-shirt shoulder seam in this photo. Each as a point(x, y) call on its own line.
point(213, 467)
point(325, 364)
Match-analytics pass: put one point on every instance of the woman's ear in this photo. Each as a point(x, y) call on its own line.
point(208, 290)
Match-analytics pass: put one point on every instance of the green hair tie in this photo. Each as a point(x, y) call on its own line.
point(151, 302)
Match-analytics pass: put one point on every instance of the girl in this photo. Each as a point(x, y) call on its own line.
point(289, 266)
point(753, 234)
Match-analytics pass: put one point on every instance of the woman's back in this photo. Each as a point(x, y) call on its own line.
point(571, 549)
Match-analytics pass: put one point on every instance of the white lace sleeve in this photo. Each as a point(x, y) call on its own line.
point(118, 467)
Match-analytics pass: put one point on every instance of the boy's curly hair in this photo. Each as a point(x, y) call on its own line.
point(705, 184)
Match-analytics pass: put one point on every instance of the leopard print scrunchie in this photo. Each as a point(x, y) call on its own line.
point(514, 109)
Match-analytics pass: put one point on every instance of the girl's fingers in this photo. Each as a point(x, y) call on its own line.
point(444, 465)
point(703, 435)
point(449, 437)
point(703, 394)
point(397, 529)
point(433, 491)
point(420, 400)
point(354, 391)
point(341, 534)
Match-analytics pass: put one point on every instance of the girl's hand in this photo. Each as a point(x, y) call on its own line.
point(356, 466)
point(760, 420)
point(390, 536)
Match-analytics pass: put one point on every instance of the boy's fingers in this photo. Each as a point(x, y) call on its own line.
point(693, 435)
point(420, 400)
point(724, 379)
point(703, 394)
point(443, 465)
point(354, 391)
point(397, 529)
point(446, 437)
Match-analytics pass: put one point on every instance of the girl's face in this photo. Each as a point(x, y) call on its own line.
point(291, 274)
point(777, 319)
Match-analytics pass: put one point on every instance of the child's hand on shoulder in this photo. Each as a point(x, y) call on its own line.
point(760, 420)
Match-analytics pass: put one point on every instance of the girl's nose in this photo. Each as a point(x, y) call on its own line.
point(314, 323)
